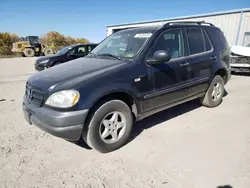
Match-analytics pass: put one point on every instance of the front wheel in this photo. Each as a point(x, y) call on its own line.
point(109, 126)
point(214, 94)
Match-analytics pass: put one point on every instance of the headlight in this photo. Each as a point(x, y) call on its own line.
point(63, 99)
point(44, 61)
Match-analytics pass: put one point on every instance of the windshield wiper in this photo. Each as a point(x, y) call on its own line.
point(110, 55)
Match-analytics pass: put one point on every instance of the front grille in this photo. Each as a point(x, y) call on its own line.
point(34, 94)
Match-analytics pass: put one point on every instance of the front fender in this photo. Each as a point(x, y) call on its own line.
point(91, 96)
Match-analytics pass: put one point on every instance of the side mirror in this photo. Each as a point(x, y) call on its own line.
point(160, 57)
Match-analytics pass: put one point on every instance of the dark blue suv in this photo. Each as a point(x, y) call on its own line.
point(130, 75)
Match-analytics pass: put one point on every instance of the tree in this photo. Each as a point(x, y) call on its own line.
point(5, 43)
point(82, 40)
point(14, 37)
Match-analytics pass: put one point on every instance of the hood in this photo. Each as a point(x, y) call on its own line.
point(241, 50)
point(73, 72)
point(47, 57)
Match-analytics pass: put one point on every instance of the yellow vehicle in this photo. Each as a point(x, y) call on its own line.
point(30, 46)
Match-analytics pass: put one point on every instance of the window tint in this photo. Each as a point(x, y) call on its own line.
point(81, 50)
point(195, 40)
point(170, 41)
point(220, 38)
point(207, 41)
point(72, 51)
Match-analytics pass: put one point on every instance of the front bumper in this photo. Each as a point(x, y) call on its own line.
point(229, 70)
point(236, 67)
point(66, 125)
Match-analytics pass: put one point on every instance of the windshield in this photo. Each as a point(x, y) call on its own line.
point(64, 50)
point(124, 44)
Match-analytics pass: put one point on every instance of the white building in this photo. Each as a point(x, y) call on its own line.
point(235, 24)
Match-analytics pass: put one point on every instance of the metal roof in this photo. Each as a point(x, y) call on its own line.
point(185, 17)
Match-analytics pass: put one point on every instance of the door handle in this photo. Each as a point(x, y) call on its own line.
point(184, 64)
point(213, 57)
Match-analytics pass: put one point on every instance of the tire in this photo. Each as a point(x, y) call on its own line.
point(29, 52)
point(214, 94)
point(48, 51)
point(95, 127)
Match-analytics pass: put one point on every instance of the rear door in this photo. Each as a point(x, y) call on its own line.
point(201, 58)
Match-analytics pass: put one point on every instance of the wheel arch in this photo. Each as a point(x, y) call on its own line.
point(122, 95)
point(223, 73)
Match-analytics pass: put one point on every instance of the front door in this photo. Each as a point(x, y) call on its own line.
point(170, 80)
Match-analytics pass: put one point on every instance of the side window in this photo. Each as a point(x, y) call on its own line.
point(81, 50)
point(170, 41)
point(208, 45)
point(195, 40)
point(89, 48)
point(72, 51)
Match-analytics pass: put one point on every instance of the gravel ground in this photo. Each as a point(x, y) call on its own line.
point(187, 146)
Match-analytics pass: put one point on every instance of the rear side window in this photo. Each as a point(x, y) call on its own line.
point(220, 38)
point(195, 40)
point(208, 45)
point(89, 48)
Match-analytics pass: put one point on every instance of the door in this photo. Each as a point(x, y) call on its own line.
point(201, 59)
point(170, 80)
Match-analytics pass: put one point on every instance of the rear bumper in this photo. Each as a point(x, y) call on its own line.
point(66, 125)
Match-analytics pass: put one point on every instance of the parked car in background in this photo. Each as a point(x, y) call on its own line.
point(67, 53)
point(130, 75)
point(240, 58)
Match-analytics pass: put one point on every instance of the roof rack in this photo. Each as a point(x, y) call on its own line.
point(188, 22)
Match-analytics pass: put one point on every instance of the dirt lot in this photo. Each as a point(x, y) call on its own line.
point(188, 146)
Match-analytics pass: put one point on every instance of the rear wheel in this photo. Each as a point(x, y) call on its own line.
point(29, 52)
point(214, 94)
point(109, 126)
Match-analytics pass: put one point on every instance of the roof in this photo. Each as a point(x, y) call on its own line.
point(186, 17)
point(72, 45)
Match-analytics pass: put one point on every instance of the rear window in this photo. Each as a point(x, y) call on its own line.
point(195, 40)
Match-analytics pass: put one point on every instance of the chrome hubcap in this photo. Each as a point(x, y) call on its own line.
point(217, 91)
point(112, 127)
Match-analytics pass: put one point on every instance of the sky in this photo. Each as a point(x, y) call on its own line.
point(89, 18)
